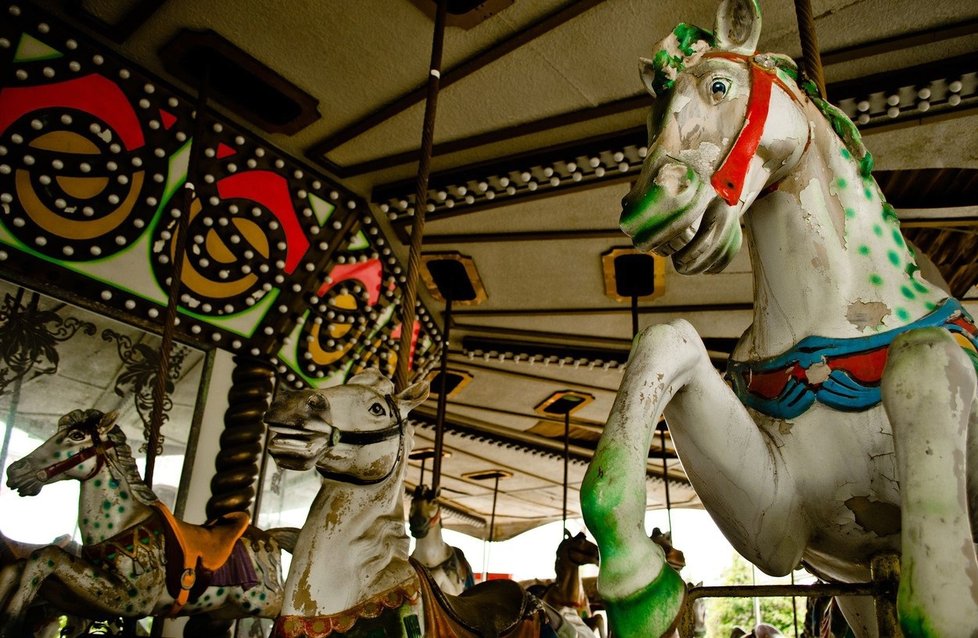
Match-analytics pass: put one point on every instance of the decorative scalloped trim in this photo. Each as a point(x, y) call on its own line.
point(405, 593)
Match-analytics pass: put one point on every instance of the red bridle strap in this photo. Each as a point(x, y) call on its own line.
point(97, 450)
point(729, 178)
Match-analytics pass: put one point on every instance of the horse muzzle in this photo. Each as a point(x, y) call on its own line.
point(662, 214)
point(24, 478)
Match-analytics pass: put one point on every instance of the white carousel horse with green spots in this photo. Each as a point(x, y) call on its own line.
point(852, 396)
point(136, 559)
point(351, 573)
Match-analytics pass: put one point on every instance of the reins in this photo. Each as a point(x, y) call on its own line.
point(98, 450)
point(369, 437)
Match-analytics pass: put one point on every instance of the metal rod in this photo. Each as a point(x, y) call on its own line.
point(176, 276)
point(410, 295)
point(492, 528)
point(665, 475)
point(566, 460)
point(809, 591)
point(442, 401)
point(634, 315)
point(811, 60)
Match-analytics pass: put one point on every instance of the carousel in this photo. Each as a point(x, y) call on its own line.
point(297, 299)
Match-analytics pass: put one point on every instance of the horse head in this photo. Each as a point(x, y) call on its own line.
point(354, 432)
point(76, 450)
point(726, 123)
point(675, 557)
point(576, 550)
point(425, 511)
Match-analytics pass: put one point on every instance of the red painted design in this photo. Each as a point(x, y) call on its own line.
point(93, 94)
point(369, 272)
point(396, 334)
point(271, 190)
point(168, 119)
point(728, 180)
point(223, 150)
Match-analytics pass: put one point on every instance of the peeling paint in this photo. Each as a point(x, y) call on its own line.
point(867, 314)
point(883, 519)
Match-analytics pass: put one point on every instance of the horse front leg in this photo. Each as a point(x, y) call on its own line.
point(92, 587)
point(716, 441)
point(929, 393)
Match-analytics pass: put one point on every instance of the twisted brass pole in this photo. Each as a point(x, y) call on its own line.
point(410, 296)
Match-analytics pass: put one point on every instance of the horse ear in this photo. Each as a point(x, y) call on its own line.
point(107, 421)
point(738, 26)
point(646, 69)
point(412, 396)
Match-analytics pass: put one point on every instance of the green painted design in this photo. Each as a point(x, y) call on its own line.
point(898, 237)
point(850, 212)
point(868, 192)
point(359, 242)
point(919, 287)
point(57, 455)
point(877, 230)
point(30, 49)
point(123, 495)
point(50, 563)
point(906, 292)
point(841, 182)
point(845, 153)
point(863, 249)
point(106, 504)
point(322, 209)
point(220, 591)
point(97, 482)
point(889, 214)
point(902, 314)
point(930, 305)
point(113, 483)
point(121, 509)
point(875, 279)
point(666, 66)
point(893, 257)
point(650, 611)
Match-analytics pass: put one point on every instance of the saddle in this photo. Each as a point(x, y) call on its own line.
point(492, 609)
point(199, 549)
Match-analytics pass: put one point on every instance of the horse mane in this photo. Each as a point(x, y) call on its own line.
point(126, 464)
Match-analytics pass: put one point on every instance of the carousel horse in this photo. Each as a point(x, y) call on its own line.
point(852, 393)
point(446, 563)
point(566, 592)
point(136, 559)
point(351, 574)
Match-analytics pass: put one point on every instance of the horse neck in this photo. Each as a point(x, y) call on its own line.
point(108, 504)
point(352, 546)
point(431, 549)
point(827, 254)
point(567, 590)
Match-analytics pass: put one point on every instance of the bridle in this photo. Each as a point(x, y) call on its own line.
point(728, 179)
point(368, 437)
point(97, 449)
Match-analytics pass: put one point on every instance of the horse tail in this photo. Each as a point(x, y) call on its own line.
point(286, 537)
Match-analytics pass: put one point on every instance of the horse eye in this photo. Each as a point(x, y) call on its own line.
point(719, 88)
point(76, 435)
point(377, 409)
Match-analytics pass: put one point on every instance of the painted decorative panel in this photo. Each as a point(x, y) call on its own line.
point(94, 157)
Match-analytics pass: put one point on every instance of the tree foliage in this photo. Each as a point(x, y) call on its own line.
point(723, 614)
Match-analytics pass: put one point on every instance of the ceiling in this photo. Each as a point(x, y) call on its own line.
point(542, 98)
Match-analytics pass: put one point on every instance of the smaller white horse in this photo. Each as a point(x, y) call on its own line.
point(351, 573)
point(446, 563)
